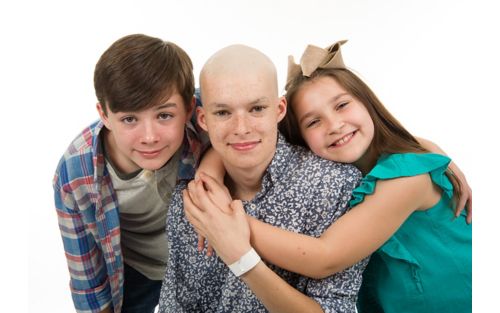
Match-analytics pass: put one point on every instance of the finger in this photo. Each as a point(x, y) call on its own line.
point(217, 193)
point(210, 249)
point(212, 183)
point(192, 192)
point(191, 211)
point(201, 243)
point(204, 201)
point(460, 204)
point(469, 209)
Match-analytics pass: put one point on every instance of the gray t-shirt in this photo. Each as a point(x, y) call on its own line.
point(143, 199)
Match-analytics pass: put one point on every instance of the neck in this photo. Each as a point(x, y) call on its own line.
point(244, 184)
point(367, 161)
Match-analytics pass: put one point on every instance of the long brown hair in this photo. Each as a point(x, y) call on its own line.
point(389, 136)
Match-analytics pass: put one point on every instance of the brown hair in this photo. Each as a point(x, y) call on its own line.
point(137, 71)
point(389, 136)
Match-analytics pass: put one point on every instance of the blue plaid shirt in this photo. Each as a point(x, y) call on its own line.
point(87, 210)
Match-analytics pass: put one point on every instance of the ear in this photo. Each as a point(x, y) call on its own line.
point(201, 118)
point(102, 115)
point(190, 109)
point(282, 105)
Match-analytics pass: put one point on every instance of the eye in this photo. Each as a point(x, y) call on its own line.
point(312, 123)
point(221, 113)
point(342, 105)
point(258, 108)
point(165, 116)
point(128, 119)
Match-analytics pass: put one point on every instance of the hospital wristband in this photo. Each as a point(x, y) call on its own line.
point(248, 261)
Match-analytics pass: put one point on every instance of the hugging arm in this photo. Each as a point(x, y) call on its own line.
point(229, 233)
point(465, 191)
point(354, 236)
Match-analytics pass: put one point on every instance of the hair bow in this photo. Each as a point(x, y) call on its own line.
point(315, 57)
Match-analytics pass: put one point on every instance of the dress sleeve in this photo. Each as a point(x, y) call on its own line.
point(405, 165)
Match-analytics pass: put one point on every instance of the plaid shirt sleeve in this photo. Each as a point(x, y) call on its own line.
point(89, 284)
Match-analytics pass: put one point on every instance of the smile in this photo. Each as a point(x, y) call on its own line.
point(344, 140)
point(149, 154)
point(244, 146)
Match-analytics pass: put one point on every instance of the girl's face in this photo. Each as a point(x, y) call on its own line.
point(334, 124)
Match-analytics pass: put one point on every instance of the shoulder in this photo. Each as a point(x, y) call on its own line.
point(85, 141)
point(329, 170)
point(78, 159)
point(408, 191)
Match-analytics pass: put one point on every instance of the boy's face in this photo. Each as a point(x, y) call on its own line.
point(241, 116)
point(146, 139)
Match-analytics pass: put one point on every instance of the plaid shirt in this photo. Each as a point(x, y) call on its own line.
point(88, 214)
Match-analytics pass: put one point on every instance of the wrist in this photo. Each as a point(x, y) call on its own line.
point(248, 261)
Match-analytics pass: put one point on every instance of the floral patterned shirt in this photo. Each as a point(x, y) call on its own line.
point(300, 192)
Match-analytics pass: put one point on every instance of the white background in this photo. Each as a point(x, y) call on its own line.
point(433, 63)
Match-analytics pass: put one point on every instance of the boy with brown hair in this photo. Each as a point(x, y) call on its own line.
point(113, 184)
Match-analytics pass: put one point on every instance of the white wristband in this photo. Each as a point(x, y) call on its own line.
point(248, 261)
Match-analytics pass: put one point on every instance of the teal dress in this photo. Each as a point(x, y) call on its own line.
point(426, 266)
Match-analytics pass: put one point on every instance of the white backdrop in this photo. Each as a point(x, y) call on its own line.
point(433, 64)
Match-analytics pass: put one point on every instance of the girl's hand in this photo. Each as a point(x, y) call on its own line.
point(227, 231)
point(216, 192)
point(465, 198)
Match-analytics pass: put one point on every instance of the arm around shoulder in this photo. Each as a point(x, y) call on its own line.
point(354, 236)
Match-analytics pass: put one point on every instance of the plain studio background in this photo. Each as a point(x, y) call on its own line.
point(431, 62)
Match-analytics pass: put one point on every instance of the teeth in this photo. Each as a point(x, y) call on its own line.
point(343, 140)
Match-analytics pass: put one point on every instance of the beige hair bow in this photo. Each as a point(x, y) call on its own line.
point(314, 58)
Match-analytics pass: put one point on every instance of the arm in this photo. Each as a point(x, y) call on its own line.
point(90, 288)
point(465, 191)
point(211, 164)
point(229, 234)
point(352, 237)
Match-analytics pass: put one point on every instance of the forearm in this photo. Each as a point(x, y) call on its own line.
point(291, 251)
point(351, 238)
point(276, 294)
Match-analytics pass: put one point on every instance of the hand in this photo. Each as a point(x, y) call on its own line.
point(217, 192)
point(465, 192)
point(228, 232)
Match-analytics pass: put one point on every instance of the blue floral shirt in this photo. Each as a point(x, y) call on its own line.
point(300, 192)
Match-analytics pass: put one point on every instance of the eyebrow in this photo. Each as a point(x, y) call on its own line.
point(332, 100)
point(166, 106)
point(254, 102)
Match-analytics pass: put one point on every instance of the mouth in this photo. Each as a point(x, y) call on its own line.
point(244, 146)
point(149, 154)
point(343, 141)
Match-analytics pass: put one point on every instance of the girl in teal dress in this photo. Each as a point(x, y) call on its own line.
point(403, 211)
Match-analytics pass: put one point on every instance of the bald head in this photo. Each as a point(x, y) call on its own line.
point(237, 61)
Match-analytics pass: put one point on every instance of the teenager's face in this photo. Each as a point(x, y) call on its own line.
point(334, 124)
point(146, 139)
point(241, 116)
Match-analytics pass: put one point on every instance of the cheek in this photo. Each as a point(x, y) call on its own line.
point(313, 140)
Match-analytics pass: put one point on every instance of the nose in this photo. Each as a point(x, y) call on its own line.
point(335, 125)
point(150, 134)
point(241, 125)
